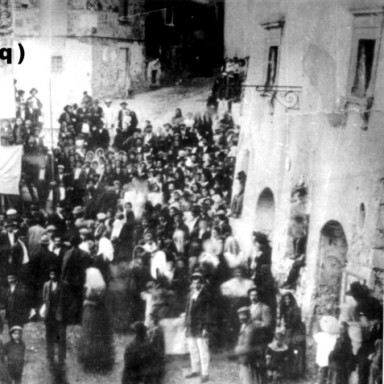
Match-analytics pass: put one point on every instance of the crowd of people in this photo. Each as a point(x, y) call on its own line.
point(124, 227)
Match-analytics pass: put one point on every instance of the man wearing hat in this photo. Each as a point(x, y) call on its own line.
point(55, 332)
point(96, 113)
point(237, 202)
point(127, 119)
point(261, 317)
point(58, 219)
point(79, 182)
point(35, 103)
point(73, 268)
point(39, 268)
point(17, 301)
point(246, 348)
point(99, 137)
point(109, 118)
point(198, 324)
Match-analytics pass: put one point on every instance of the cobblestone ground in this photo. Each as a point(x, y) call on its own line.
point(36, 370)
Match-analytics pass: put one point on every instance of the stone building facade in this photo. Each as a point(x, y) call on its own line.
point(79, 45)
point(312, 138)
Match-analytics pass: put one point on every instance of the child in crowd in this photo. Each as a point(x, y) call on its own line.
point(277, 358)
point(341, 359)
point(15, 351)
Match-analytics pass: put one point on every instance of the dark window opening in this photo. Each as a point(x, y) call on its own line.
point(123, 9)
point(364, 67)
point(272, 66)
point(169, 17)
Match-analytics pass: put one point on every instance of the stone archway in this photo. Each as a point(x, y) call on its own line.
point(332, 258)
point(265, 212)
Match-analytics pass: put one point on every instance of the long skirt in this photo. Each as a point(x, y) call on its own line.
point(96, 351)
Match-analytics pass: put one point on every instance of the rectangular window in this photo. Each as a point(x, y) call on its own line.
point(272, 53)
point(364, 67)
point(272, 65)
point(365, 51)
point(169, 17)
point(57, 64)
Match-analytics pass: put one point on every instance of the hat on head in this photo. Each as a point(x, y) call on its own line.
point(44, 240)
point(197, 276)
point(51, 228)
point(15, 328)
point(84, 231)
point(101, 216)
point(11, 212)
point(243, 310)
point(255, 289)
point(108, 101)
point(123, 103)
point(261, 237)
point(356, 289)
point(60, 166)
point(78, 210)
point(33, 89)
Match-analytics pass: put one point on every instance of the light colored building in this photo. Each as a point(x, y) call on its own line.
point(79, 45)
point(312, 138)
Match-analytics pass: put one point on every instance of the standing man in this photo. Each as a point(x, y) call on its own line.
point(127, 119)
point(96, 113)
point(17, 302)
point(246, 347)
point(73, 267)
point(197, 322)
point(110, 118)
point(154, 72)
point(262, 320)
point(55, 332)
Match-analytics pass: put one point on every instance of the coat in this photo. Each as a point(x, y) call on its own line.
point(261, 316)
point(73, 269)
point(137, 356)
point(246, 347)
point(58, 222)
point(52, 302)
point(17, 305)
point(198, 314)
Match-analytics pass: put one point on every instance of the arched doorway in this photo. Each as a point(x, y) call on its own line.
point(265, 212)
point(333, 249)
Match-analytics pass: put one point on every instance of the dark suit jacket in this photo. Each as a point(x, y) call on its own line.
point(81, 182)
point(246, 348)
point(100, 139)
point(17, 305)
point(198, 314)
point(52, 302)
point(75, 261)
point(58, 222)
point(134, 121)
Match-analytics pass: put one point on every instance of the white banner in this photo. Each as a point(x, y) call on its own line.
point(10, 169)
